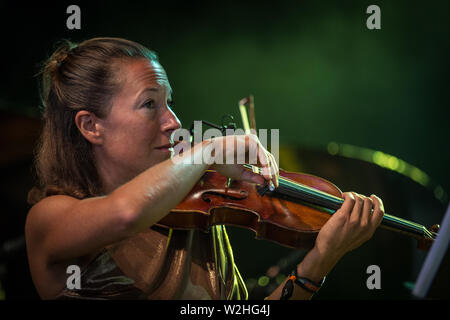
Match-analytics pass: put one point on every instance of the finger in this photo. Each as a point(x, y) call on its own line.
point(275, 170)
point(255, 147)
point(265, 163)
point(252, 177)
point(366, 211)
point(272, 173)
point(347, 206)
point(253, 154)
point(355, 216)
point(261, 160)
point(378, 211)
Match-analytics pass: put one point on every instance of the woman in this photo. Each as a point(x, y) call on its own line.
point(106, 177)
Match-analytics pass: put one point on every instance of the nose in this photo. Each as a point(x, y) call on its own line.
point(169, 121)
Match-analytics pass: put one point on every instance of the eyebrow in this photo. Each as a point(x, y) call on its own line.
point(154, 89)
point(151, 89)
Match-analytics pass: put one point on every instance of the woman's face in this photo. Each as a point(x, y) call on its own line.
point(138, 127)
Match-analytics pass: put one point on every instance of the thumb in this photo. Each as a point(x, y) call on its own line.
point(252, 177)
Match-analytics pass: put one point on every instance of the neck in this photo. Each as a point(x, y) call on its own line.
point(323, 201)
point(110, 175)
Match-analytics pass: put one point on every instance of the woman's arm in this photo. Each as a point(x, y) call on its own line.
point(62, 227)
point(352, 225)
point(59, 228)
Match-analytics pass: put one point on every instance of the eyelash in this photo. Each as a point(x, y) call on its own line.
point(170, 103)
point(148, 103)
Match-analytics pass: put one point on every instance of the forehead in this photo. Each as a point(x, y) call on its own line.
point(135, 74)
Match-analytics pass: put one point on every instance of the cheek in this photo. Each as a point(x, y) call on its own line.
point(131, 141)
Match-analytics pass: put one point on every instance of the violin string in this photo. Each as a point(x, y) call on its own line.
point(300, 187)
point(399, 221)
point(336, 201)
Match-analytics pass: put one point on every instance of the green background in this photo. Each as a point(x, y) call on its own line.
point(317, 72)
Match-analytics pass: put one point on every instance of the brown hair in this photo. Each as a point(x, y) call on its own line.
point(76, 77)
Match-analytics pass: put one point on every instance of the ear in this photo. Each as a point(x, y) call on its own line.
point(90, 126)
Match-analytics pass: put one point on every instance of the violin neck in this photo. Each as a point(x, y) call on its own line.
point(329, 203)
point(407, 227)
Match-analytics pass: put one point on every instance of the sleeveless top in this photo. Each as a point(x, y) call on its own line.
point(164, 264)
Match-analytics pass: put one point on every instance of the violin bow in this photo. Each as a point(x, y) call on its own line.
point(244, 104)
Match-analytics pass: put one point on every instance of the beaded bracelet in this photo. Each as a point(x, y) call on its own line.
point(303, 282)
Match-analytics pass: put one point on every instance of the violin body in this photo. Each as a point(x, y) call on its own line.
point(217, 200)
point(291, 215)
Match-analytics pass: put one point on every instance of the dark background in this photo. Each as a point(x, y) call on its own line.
point(317, 74)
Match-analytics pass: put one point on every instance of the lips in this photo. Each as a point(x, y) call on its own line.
point(166, 146)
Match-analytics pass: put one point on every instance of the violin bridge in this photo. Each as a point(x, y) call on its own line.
point(229, 182)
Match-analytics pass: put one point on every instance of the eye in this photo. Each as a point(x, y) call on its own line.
point(149, 104)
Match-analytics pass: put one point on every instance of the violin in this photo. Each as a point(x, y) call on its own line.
point(291, 214)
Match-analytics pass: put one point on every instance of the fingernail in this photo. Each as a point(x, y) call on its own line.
point(271, 186)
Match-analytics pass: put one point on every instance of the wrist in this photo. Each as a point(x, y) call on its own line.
point(316, 265)
point(198, 154)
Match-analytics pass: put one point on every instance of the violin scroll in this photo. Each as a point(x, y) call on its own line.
point(426, 242)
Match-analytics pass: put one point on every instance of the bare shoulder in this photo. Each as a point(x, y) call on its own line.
point(48, 279)
point(45, 210)
point(54, 202)
point(62, 230)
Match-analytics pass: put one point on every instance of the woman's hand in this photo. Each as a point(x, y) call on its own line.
point(231, 152)
point(352, 225)
point(348, 228)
